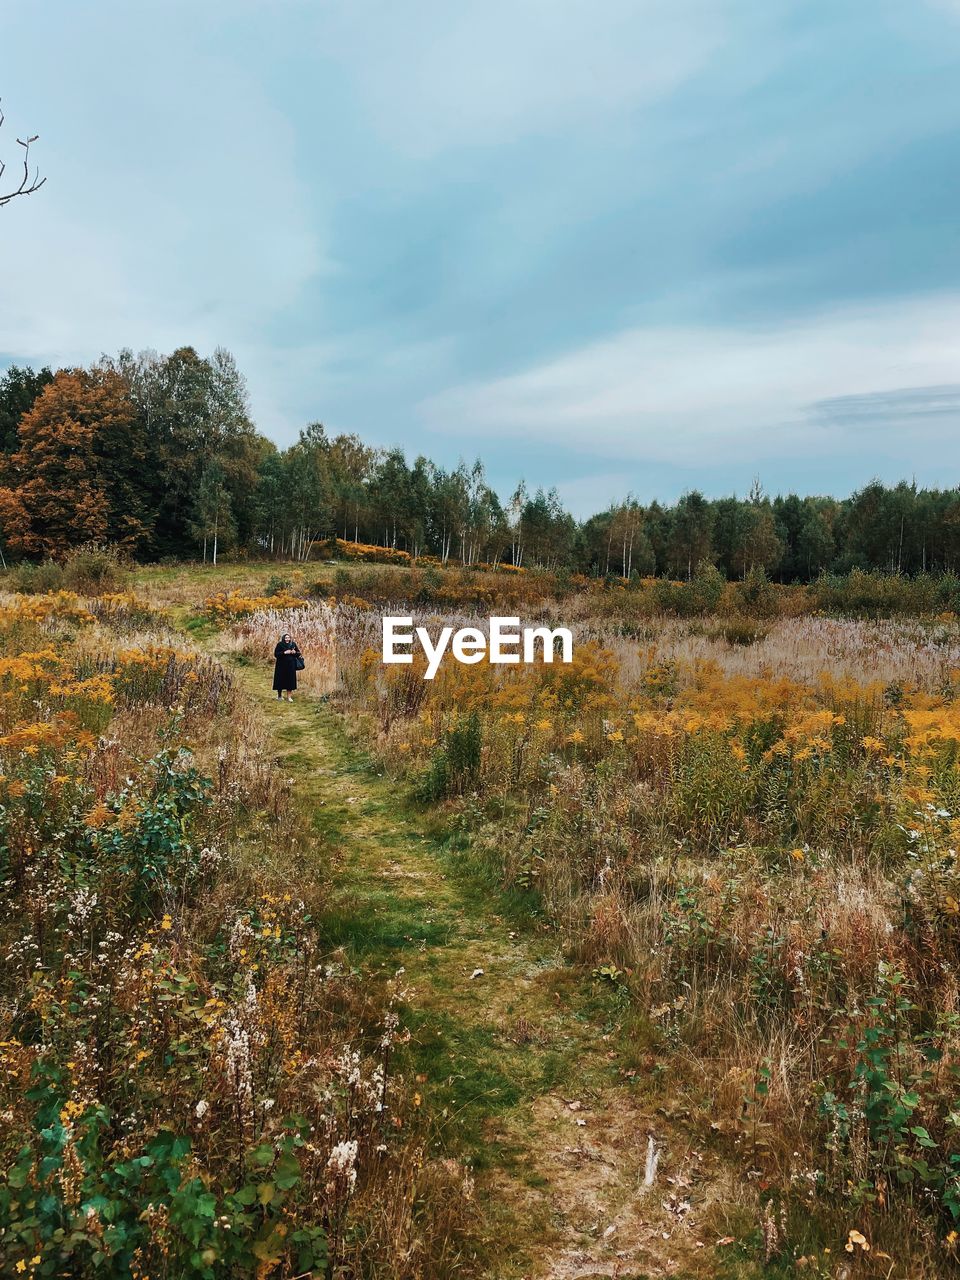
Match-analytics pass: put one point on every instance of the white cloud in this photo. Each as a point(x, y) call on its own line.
point(708, 395)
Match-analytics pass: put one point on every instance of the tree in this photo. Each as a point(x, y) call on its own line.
point(880, 526)
point(268, 508)
point(349, 465)
point(447, 502)
point(760, 546)
point(69, 480)
point(421, 505)
point(391, 494)
point(548, 530)
point(27, 185)
point(593, 543)
point(815, 542)
point(19, 388)
point(193, 411)
point(479, 515)
point(659, 530)
point(625, 537)
point(731, 522)
point(159, 454)
point(514, 513)
point(308, 489)
point(213, 520)
point(692, 540)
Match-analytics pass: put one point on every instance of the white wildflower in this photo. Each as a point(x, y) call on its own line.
point(342, 1166)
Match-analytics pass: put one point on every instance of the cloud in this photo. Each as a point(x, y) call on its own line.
point(904, 405)
point(707, 395)
point(430, 75)
point(370, 202)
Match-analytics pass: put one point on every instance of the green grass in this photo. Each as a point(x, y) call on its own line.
point(379, 926)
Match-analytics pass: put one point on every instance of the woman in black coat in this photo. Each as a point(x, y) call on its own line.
point(285, 667)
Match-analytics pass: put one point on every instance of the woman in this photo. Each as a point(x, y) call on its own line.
point(285, 667)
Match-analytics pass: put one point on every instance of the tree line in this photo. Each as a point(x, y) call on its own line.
point(159, 455)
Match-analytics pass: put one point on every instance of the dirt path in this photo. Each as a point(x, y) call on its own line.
point(517, 1051)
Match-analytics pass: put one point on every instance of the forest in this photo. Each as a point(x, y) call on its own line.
point(159, 455)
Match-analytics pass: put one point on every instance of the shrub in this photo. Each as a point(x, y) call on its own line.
point(872, 594)
point(277, 585)
point(227, 605)
point(32, 579)
point(340, 549)
point(94, 568)
point(455, 765)
point(757, 595)
point(701, 595)
point(738, 630)
point(890, 1124)
point(706, 588)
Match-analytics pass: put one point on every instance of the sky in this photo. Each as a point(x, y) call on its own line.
point(609, 246)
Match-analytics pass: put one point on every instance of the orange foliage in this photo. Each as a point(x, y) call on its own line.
point(342, 550)
point(225, 605)
point(64, 485)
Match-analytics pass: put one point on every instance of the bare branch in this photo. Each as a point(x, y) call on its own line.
point(27, 184)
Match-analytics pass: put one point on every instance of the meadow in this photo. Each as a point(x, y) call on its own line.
point(746, 826)
point(726, 834)
point(191, 1083)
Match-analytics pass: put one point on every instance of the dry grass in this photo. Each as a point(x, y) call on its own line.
point(760, 839)
point(191, 1083)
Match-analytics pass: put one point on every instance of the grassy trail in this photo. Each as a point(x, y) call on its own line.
point(511, 1043)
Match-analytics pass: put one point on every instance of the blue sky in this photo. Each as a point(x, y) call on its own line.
point(609, 246)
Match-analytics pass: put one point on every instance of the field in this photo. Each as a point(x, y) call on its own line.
point(642, 966)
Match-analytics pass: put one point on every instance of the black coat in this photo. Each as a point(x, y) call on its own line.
point(285, 667)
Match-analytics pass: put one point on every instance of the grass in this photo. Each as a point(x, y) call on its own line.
point(499, 1055)
point(543, 1042)
point(176, 1003)
point(545, 1052)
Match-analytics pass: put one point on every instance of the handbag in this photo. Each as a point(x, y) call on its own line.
point(298, 662)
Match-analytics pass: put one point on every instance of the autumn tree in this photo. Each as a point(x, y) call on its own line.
point(160, 454)
point(73, 476)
